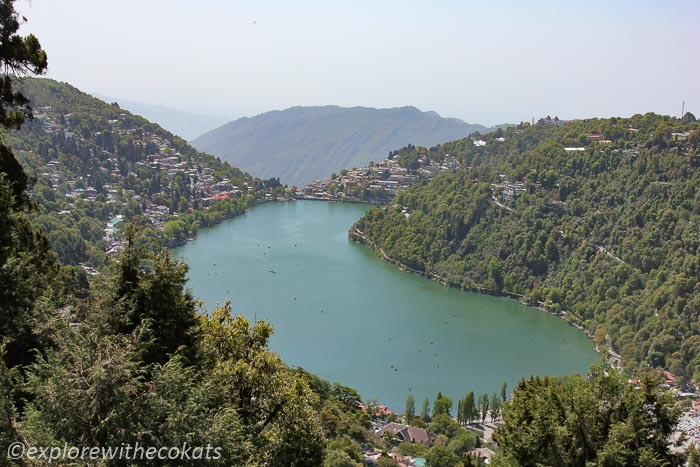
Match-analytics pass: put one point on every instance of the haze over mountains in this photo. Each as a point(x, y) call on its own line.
point(186, 125)
point(302, 144)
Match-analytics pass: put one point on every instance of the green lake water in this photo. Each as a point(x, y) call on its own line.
point(342, 313)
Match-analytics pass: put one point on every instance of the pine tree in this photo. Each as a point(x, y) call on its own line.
point(150, 287)
point(410, 411)
point(425, 411)
point(495, 406)
point(484, 406)
point(26, 262)
point(469, 407)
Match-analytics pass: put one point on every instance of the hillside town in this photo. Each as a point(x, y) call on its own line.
point(376, 183)
point(176, 183)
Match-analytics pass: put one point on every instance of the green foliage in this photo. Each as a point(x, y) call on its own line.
point(274, 406)
point(607, 235)
point(346, 445)
point(441, 456)
point(425, 410)
point(339, 458)
point(463, 443)
point(150, 288)
point(8, 412)
point(601, 419)
point(386, 461)
point(410, 411)
point(19, 56)
point(339, 419)
point(442, 405)
point(495, 405)
point(27, 269)
point(484, 406)
point(412, 449)
point(95, 389)
point(443, 424)
point(27, 266)
point(467, 410)
point(693, 456)
point(84, 391)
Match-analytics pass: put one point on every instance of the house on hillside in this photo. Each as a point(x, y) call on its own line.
point(410, 434)
point(550, 121)
point(484, 454)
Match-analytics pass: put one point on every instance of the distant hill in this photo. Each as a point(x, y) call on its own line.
point(302, 144)
point(184, 124)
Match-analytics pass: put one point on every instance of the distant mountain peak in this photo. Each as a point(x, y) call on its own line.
point(304, 143)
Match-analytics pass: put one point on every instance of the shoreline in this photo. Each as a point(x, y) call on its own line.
point(257, 203)
point(356, 235)
point(173, 245)
point(337, 200)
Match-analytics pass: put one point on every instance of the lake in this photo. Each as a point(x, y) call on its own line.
point(341, 312)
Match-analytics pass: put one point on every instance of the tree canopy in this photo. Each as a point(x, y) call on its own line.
point(602, 419)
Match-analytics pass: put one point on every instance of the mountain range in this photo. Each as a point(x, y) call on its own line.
point(301, 144)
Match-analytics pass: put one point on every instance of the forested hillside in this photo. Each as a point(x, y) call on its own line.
point(95, 165)
point(596, 219)
point(302, 144)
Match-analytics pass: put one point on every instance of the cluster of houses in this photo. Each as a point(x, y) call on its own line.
point(204, 186)
point(411, 434)
point(689, 424)
point(375, 183)
point(478, 142)
point(507, 191)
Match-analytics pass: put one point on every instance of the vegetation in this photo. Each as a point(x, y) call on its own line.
point(601, 420)
point(139, 345)
point(606, 234)
point(128, 357)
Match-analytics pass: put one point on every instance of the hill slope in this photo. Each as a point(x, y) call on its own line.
point(186, 125)
point(598, 219)
point(95, 164)
point(302, 144)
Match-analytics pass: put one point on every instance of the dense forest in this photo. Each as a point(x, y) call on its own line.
point(597, 220)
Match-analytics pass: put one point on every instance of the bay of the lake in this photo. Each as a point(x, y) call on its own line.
point(344, 314)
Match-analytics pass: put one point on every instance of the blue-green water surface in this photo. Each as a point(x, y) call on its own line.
point(342, 313)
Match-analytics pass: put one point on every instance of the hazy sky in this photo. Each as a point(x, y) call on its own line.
point(484, 62)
